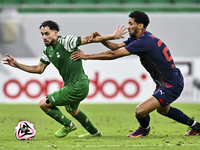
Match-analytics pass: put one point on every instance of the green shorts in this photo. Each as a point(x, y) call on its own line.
point(70, 95)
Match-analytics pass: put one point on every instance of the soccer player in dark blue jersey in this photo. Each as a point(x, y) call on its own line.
point(157, 60)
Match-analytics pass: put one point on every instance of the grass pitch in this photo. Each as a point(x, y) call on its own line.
point(115, 121)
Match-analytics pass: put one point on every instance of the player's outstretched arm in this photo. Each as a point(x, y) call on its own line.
point(31, 69)
point(108, 55)
point(107, 43)
point(95, 38)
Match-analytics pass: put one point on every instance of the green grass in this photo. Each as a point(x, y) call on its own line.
point(115, 121)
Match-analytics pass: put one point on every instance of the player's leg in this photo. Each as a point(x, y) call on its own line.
point(166, 98)
point(53, 112)
point(180, 117)
point(81, 92)
point(70, 97)
point(142, 114)
point(83, 119)
point(56, 114)
point(175, 114)
point(60, 97)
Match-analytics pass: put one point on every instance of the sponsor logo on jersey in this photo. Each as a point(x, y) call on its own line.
point(58, 55)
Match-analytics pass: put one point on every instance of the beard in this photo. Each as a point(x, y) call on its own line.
point(48, 44)
point(134, 33)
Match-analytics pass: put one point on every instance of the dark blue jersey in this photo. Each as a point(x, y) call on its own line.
point(156, 59)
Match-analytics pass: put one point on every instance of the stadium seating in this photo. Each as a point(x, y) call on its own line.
point(185, 1)
point(95, 5)
point(84, 2)
point(14, 2)
point(10, 2)
point(134, 1)
point(159, 1)
point(59, 1)
point(33, 1)
point(110, 1)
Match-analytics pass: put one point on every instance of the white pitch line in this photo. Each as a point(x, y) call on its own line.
point(97, 146)
point(160, 145)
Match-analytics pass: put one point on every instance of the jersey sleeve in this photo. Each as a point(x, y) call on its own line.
point(70, 42)
point(137, 46)
point(44, 59)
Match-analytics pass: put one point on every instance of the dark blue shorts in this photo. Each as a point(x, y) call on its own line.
point(167, 95)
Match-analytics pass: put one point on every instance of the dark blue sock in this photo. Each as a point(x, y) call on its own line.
point(179, 116)
point(144, 122)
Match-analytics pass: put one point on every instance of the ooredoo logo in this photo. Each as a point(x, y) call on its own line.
point(98, 87)
point(43, 87)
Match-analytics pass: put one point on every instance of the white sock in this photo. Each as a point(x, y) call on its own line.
point(70, 124)
point(95, 134)
point(146, 128)
point(193, 123)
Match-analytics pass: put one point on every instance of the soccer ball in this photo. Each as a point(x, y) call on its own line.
point(25, 131)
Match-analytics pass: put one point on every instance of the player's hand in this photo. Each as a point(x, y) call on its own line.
point(119, 32)
point(92, 36)
point(10, 61)
point(78, 55)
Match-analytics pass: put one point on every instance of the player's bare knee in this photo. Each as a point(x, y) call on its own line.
point(42, 104)
point(160, 112)
point(163, 110)
point(139, 112)
point(74, 112)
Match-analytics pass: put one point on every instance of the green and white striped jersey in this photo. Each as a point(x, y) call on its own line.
point(59, 56)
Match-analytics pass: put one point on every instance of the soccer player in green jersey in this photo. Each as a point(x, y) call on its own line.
point(57, 51)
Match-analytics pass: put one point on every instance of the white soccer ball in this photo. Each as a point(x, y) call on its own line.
point(25, 131)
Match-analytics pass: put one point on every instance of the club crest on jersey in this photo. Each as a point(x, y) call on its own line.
point(161, 92)
point(58, 55)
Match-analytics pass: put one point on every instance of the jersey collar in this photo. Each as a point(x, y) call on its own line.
point(143, 34)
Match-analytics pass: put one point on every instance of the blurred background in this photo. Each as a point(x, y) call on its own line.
point(176, 22)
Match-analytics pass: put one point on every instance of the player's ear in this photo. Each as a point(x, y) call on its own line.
point(55, 31)
point(141, 26)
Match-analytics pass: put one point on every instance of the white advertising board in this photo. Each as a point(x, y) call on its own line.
point(116, 81)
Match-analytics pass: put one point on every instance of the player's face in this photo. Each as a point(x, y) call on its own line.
point(49, 36)
point(132, 27)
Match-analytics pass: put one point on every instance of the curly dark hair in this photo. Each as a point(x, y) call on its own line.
point(140, 17)
point(51, 24)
